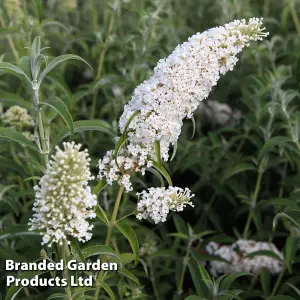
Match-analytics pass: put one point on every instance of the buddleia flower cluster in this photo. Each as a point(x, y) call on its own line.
point(120, 169)
point(148, 247)
point(18, 118)
point(63, 200)
point(156, 203)
point(236, 255)
point(179, 83)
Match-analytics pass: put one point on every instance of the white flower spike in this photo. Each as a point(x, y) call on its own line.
point(63, 200)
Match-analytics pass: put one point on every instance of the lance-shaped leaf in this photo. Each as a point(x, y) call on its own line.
point(163, 172)
point(60, 107)
point(130, 276)
point(11, 134)
point(99, 187)
point(194, 126)
point(14, 290)
point(174, 151)
point(56, 61)
point(157, 152)
point(57, 296)
point(10, 68)
point(38, 7)
point(100, 250)
point(17, 231)
point(292, 215)
point(100, 213)
point(80, 126)
point(156, 174)
point(12, 99)
point(130, 235)
point(228, 280)
point(291, 247)
point(107, 289)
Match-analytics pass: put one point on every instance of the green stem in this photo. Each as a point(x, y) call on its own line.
point(108, 238)
point(253, 203)
point(65, 253)
point(156, 294)
point(185, 262)
point(278, 281)
point(100, 64)
point(266, 8)
point(39, 121)
point(295, 17)
point(10, 41)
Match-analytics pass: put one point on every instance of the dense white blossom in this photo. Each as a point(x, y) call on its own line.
point(236, 255)
point(121, 170)
point(179, 83)
point(156, 203)
point(17, 117)
point(63, 199)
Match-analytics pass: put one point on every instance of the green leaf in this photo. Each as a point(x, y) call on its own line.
point(100, 213)
point(38, 7)
point(193, 297)
point(130, 276)
point(265, 282)
point(57, 61)
point(280, 297)
point(180, 224)
point(16, 136)
point(242, 167)
point(60, 107)
point(99, 187)
point(270, 144)
point(156, 174)
point(80, 126)
point(14, 290)
point(204, 274)
point(8, 31)
point(32, 178)
point(163, 172)
point(76, 250)
point(298, 70)
point(291, 247)
point(157, 152)
point(264, 253)
point(294, 288)
point(59, 81)
point(164, 253)
point(200, 286)
point(130, 235)
point(14, 70)
point(226, 283)
point(129, 121)
point(10, 99)
point(174, 151)
point(108, 290)
point(17, 231)
point(121, 141)
point(58, 296)
point(292, 215)
point(194, 126)
point(179, 235)
point(100, 250)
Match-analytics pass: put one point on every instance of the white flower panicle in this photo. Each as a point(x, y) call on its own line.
point(121, 170)
point(236, 255)
point(17, 117)
point(63, 200)
point(180, 82)
point(156, 203)
point(148, 247)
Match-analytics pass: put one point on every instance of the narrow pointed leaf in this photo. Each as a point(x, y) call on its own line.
point(56, 61)
point(60, 107)
point(226, 283)
point(16, 136)
point(130, 235)
point(14, 70)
